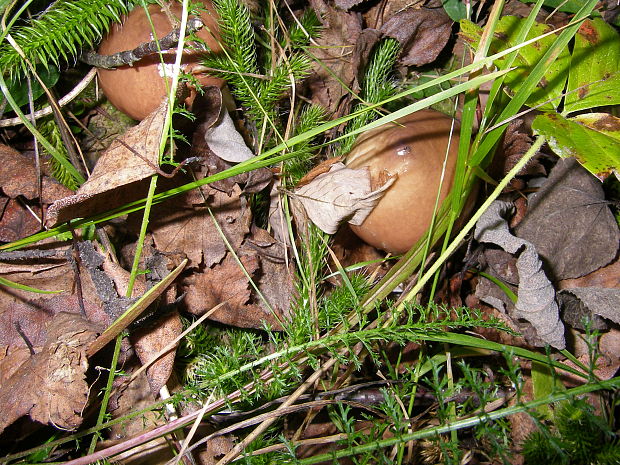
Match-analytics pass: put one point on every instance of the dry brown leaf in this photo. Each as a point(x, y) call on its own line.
point(17, 222)
point(275, 279)
point(347, 4)
point(335, 51)
point(227, 282)
point(55, 376)
point(115, 179)
point(422, 33)
point(340, 195)
point(11, 358)
point(183, 224)
point(32, 311)
point(18, 176)
point(150, 340)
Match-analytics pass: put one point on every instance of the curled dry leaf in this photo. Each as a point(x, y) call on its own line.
point(342, 194)
point(115, 179)
point(55, 377)
point(219, 145)
point(225, 141)
point(536, 295)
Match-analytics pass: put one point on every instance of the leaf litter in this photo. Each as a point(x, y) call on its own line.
point(231, 256)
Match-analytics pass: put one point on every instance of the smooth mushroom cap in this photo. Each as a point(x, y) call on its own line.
point(139, 89)
point(414, 149)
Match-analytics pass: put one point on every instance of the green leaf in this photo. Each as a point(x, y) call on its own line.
point(569, 6)
point(456, 9)
point(554, 79)
point(544, 384)
point(595, 64)
point(19, 87)
point(594, 139)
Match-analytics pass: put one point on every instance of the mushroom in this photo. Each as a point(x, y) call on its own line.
point(412, 148)
point(137, 90)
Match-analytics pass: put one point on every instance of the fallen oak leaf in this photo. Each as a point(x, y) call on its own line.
point(57, 391)
point(342, 194)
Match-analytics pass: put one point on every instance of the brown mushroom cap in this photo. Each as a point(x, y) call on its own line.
point(137, 90)
point(413, 149)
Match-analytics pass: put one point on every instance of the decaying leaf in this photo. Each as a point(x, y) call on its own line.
point(150, 340)
point(328, 81)
point(569, 222)
point(48, 270)
point(18, 176)
point(516, 141)
point(600, 301)
point(226, 282)
point(16, 221)
point(183, 224)
point(340, 195)
point(225, 141)
point(55, 377)
point(275, 278)
point(422, 33)
point(536, 295)
point(115, 179)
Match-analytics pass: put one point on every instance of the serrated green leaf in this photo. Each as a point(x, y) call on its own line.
point(595, 64)
point(593, 139)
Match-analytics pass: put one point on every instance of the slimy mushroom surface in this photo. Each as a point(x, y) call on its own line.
point(412, 148)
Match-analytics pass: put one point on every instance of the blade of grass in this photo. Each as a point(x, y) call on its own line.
point(528, 86)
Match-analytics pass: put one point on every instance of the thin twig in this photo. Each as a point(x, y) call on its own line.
point(129, 57)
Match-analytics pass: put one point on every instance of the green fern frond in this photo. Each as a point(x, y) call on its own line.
point(60, 32)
